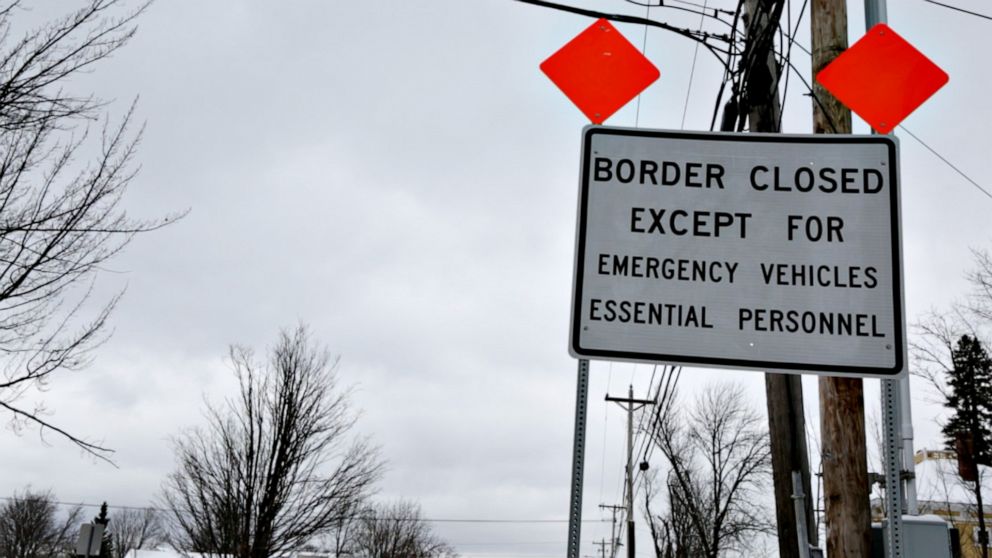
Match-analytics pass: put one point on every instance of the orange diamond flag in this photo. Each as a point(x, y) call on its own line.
point(882, 78)
point(600, 71)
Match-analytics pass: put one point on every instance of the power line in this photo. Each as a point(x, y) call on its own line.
point(621, 477)
point(702, 6)
point(948, 163)
point(692, 73)
point(791, 35)
point(663, 396)
point(620, 473)
point(729, 75)
point(606, 425)
point(702, 37)
point(639, 435)
point(504, 543)
point(663, 402)
point(643, 436)
point(903, 128)
point(644, 48)
point(955, 8)
point(701, 11)
point(647, 434)
point(515, 554)
point(357, 516)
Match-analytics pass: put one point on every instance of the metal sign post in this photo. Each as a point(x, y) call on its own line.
point(799, 506)
point(578, 460)
point(893, 484)
point(892, 403)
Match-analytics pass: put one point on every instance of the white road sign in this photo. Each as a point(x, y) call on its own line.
point(89, 540)
point(760, 251)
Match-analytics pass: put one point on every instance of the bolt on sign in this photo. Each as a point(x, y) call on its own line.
point(757, 251)
point(600, 71)
point(882, 78)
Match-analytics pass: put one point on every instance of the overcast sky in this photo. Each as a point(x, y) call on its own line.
point(402, 177)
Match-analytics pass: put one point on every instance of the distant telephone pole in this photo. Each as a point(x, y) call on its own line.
point(632, 405)
point(602, 547)
point(842, 416)
point(615, 542)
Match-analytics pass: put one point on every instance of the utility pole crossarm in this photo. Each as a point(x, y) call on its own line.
point(629, 400)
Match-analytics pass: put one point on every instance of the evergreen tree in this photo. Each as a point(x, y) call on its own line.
point(106, 545)
point(970, 397)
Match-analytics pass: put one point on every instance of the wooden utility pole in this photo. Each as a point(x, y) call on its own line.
point(842, 405)
point(631, 406)
point(787, 430)
point(784, 392)
point(845, 467)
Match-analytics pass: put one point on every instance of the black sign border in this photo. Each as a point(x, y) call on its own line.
point(821, 369)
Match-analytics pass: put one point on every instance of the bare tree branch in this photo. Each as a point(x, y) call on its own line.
point(98, 451)
point(930, 348)
point(60, 219)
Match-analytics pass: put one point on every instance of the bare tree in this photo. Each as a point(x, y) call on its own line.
point(718, 468)
point(935, 336)
point(134, 529)
point(276, 467)
point(948, 352)
point(937, 333)
point(341, 539)
point(672, 530)
point(980, 301)
point(32, 527)
point(60, 219)
point(397, 531)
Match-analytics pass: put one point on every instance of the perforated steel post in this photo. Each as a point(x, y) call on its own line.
point(875, 12)
point(578, 460)
point(893, 485)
